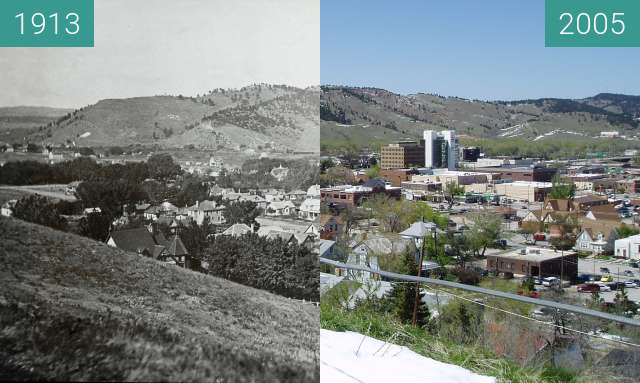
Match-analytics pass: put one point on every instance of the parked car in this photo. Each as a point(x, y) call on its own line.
point(539, 236)
point(630, 285)
point(550, 281)
point(500, 244)
point(583, 278)
point(588, 288)
point(616, 285)
point(605, 270)
point(636, 281)
point(603, 287)
point(606, 278)
point(634, 264)
point(629, 273)
point(537, 281)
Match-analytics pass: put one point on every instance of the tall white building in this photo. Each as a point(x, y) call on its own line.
point(440, 149)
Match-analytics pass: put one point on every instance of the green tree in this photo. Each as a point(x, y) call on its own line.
point(485, 230)
point(625, 231)
point(39, 210)
point(242, 212)
point(373, 172)
point(401, 298)
point(561, 189)
point(451, 190)
point(162, 167)
point(96, 226)
point(623, 305)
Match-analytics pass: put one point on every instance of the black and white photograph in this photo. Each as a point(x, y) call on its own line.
point(160, 196)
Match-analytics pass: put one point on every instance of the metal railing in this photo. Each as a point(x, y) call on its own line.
point(481, 290)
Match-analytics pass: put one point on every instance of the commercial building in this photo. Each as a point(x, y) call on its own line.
point(440, 149)
point(537, 262)
point(457, 177)
point(397, 176)
point(402, 155)
point(521, 191)
point(499, 162)
point(530, 174)
point(471, 154)
point(628, 247)
point(350, 196)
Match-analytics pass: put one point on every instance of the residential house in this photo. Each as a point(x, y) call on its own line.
point(7, 208)
point(327, 249)
point(207, 209)
point(139, 241)
point(330, 226)
point(291, 225)
point(603, 213)
point(260, 202)
point(280, 208)
point(141, 208)
point(310, 209)
point(295, 195)
point(597, 238)
point(313, 191)
point(273, 195)
point(237, 230)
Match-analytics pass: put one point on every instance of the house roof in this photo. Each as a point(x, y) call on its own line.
point(310, 204)
point(585, 199)
point(237, 229)
point(595, 227)
point(206, 205)
point(134, 240)
point(325, 246)
point(143, 206)
point(176, 248)
point(419, 229)
point(277, 205)
point(604, 212)
point(283, 235)
point(558, 205)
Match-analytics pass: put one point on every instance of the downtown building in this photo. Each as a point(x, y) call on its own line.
point(440, 149)
point(402, 155)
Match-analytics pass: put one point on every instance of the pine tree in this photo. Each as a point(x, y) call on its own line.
point(401, 298)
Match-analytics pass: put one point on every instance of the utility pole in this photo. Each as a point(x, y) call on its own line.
point(414, 320)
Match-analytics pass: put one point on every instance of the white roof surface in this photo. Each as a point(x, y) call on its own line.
point(377, 361)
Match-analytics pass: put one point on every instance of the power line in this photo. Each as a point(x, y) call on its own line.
point(481, 290)
point(533, 319)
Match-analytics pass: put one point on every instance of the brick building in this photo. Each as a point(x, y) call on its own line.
point(536, 262)
point(350, 196)
point(402, 155)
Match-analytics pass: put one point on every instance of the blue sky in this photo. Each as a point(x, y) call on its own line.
point(484, 49)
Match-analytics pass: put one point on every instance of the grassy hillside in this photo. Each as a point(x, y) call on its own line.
point(19, 121)
point(72, 308)
point(352, 114)
point(277, 115)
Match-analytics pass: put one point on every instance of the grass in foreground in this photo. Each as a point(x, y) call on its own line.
point(75, 309)
point(474, 358)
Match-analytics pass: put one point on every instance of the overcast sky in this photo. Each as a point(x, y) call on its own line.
point(175, 47)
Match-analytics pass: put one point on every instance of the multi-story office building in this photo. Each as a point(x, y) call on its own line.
point(440, 149)
point(471, 154)
point(402, 155)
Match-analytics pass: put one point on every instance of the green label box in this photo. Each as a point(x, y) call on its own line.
point(592, 23)
point(46, 23)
